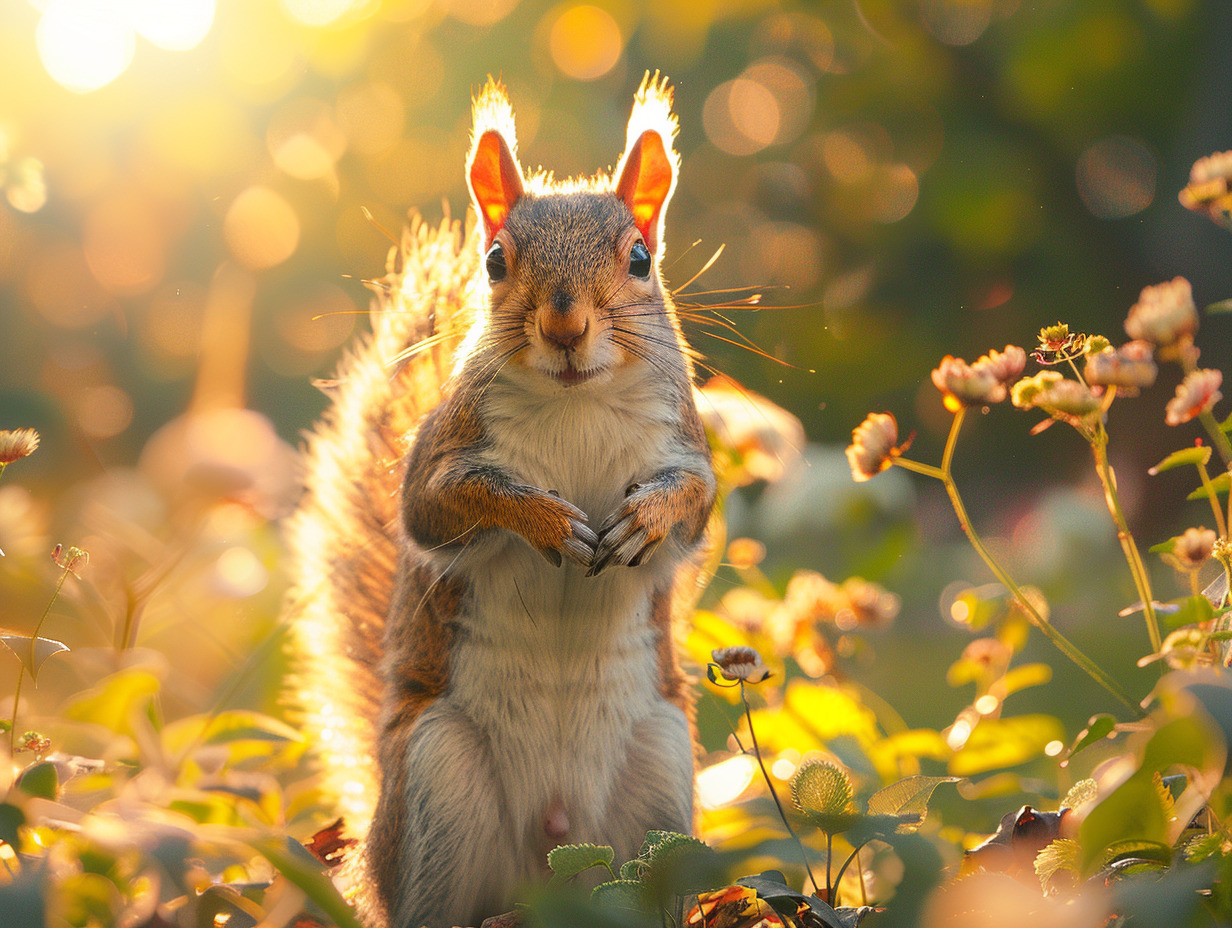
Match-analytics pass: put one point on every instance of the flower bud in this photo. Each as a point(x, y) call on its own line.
point(1164, 313)
point(872, 447)
point(1196, 394)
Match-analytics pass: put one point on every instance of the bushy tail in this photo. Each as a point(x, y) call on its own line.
point(343, 538)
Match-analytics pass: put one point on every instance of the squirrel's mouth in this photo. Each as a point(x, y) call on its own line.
point(570, 375)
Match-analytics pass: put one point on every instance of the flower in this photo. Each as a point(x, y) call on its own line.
point(1057, 344)
point(1210, 187)
point(1056, 395)
point(740, 663)
point(967, 384)
point(1006, 366)
point(1193, 548)
point(1164, 313)
point(1196, 394)
point(872, 447)
point(1130, 367)
point(16, 444)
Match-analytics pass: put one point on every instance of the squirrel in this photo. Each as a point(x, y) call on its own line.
point(497, 530)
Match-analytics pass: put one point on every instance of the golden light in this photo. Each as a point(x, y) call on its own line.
point(304, 140)
point(895, 193)
point(741, 117)
point(725, 781)
point(124, 243)
point(478, 12)
point(103, 411)
point(318, 12)
point(176, 25)
point(1116, 177)
point(958, 734)
point(240, 573)
point(585, 42)
point(987, 704)
point(372, 116)
point(792, 91)
point(1053, 748)
point(84, 44)
point(261, 228)
point(27, 190)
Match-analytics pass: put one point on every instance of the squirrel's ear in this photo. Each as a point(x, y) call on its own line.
point(492, 169)
point(648, 168)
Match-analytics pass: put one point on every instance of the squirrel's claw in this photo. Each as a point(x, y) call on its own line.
point(580, 546)
point(625, 543)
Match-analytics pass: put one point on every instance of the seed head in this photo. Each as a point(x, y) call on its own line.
point(1007, 366)
point(1164, 313)
point(1056, 395)
point(16, 444)
point(1193, 548)
point(1210, 187)
point(1196, 394)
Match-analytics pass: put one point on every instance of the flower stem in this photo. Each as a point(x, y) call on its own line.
point(1220, 525)
point(21, 670)
point(1218, 437)
point(748, 714)
point(1063, 644)
point(1099, 446)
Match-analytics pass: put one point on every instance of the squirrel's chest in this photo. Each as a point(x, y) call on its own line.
point(586, 446)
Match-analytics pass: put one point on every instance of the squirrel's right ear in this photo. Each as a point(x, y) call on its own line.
point(492, 168)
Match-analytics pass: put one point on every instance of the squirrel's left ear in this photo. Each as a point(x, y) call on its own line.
point(648, 168)
point(492, 170)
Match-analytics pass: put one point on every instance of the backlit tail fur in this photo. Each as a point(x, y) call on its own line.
point(344, 537)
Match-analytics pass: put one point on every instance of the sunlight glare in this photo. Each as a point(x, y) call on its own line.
point(84, 44)
point(176, 25)
point(725, 781)
point(318, 12)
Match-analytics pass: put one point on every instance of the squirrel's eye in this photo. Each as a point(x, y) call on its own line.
point(639, 260)
point(495, 262)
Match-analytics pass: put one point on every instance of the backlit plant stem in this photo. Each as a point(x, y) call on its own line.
point(1099, 446)
point(1220, 525)
point(748, 714)
point(21, 669)
point(1063, 644)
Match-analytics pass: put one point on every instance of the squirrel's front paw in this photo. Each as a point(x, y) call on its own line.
point(633, 532)
point(555, 527)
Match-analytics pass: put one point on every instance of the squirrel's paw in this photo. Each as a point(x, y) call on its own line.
point(633, 532)
point(556, 527)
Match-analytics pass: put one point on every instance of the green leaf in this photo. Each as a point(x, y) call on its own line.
point(618, 894)
point(113, 702)
point(1195, 456)
point(908, 796)
point(1098, 728)
point(1189, 610)
point(1219, 485)
point(679, 865)
point(1081, 794)
point(39, 780)
point(1131, 812)
point(1005, 742)
point(1223, 306)
point(820, 788)
point(11, 819)
point(43, 649)
point(1204, 847)
point(292, 860)
point(568, 860)
point(632, 869)
point(1059, 865)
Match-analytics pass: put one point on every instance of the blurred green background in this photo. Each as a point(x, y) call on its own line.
point(182, 230)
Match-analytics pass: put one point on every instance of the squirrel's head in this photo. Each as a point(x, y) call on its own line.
point(573, 265)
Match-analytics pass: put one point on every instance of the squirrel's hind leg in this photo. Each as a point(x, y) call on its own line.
point(450, 860)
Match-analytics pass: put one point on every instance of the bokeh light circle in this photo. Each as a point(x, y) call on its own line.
point(84, 44)
point(261, 228)
point(585, 42)
point(176, 25)
point(1116, 177)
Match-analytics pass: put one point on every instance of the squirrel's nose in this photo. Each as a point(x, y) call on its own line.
point(564, 324)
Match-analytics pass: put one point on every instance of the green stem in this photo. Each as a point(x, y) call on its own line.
point(21, 670)
point(1220, 525)
point(748, 714)
point(1218, 437)
point(1099, 446)
point(1063, 644)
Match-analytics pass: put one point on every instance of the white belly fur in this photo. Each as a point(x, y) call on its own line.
point(556, 670)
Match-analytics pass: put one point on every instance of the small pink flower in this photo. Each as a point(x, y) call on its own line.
point(1006, 366)
point(1196, 394)
point(740, 663)
point(1164, 313)
point(964, 384)
point(1130, 367)
point(872, 447)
